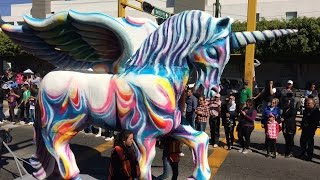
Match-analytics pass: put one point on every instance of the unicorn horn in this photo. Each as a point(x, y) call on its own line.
point(241, 39)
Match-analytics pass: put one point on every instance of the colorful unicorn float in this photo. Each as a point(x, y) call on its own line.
point(149, 70)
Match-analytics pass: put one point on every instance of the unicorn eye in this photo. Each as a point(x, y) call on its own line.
point(212, 53)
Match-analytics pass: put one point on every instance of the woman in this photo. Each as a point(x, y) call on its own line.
point(124, 164)
point(246, 125)
point(272, 108)
point(289, 126)
point(12, 102)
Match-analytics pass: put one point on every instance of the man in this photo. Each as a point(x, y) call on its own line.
point(192, 104)
point(287, 93)
point(309, 124)
point(245, 94)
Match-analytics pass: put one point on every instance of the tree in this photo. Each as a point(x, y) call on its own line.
point(303, 44)
point(7, 48)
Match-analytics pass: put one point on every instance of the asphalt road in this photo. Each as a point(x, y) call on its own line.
point(93, 154)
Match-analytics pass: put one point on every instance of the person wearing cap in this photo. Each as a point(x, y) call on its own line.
point(245, 94)
point(286, 93)
point(272, 132)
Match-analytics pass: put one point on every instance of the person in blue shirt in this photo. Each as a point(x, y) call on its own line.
point(272, 108)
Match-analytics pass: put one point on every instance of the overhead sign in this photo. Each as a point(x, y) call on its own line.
point(161, 13)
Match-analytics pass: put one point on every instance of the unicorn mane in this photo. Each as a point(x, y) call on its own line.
point(177, 37)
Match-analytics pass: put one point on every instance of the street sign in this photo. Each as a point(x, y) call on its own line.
point(161, 13)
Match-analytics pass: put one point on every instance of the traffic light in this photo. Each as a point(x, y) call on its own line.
point(147, 7)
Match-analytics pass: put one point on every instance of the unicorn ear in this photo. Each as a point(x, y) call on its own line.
point(223, 23)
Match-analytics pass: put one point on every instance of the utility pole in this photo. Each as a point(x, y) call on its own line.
point(217, 10)
point(251, 26)
point(122, 4)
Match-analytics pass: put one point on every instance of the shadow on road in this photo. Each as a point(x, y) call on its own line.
point(260, 148)
point(96, 165)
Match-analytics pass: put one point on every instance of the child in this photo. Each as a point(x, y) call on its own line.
point(272, 132)
point(32, 103)
point(229, 121)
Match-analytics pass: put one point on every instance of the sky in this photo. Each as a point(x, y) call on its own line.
point(5, 9)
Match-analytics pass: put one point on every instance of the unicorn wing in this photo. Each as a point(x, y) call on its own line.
point(73, 40)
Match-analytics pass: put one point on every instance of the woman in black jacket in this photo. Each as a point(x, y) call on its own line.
point(289, 125)
point(124, 164)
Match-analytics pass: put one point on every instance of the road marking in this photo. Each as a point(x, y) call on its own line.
point(218, 156)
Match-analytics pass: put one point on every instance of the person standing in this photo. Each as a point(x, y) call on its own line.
point(229, 121)
point(246, 126)
point(267, 94)
point(272, 132)
point(12, 102)
point(2, 97)
point(245, 94)
point(25, 101)
point(312, 93)
point(192, 104)
point(214, 120)
point(288, 119)
point(287, 93)
point(171, 151)
point(202, 112)
point(309, 124)
point(124, 164)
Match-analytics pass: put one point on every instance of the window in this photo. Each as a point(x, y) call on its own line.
point(291, 15)
point(257, 17)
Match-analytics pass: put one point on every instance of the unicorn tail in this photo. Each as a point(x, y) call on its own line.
point(43, 162)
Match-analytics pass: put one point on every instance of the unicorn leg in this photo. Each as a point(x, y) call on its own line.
point(198, 142)
point(43, 162)
point(64, 156)
point(147, 152)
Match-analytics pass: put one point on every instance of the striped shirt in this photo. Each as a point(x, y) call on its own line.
point(202, 112)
